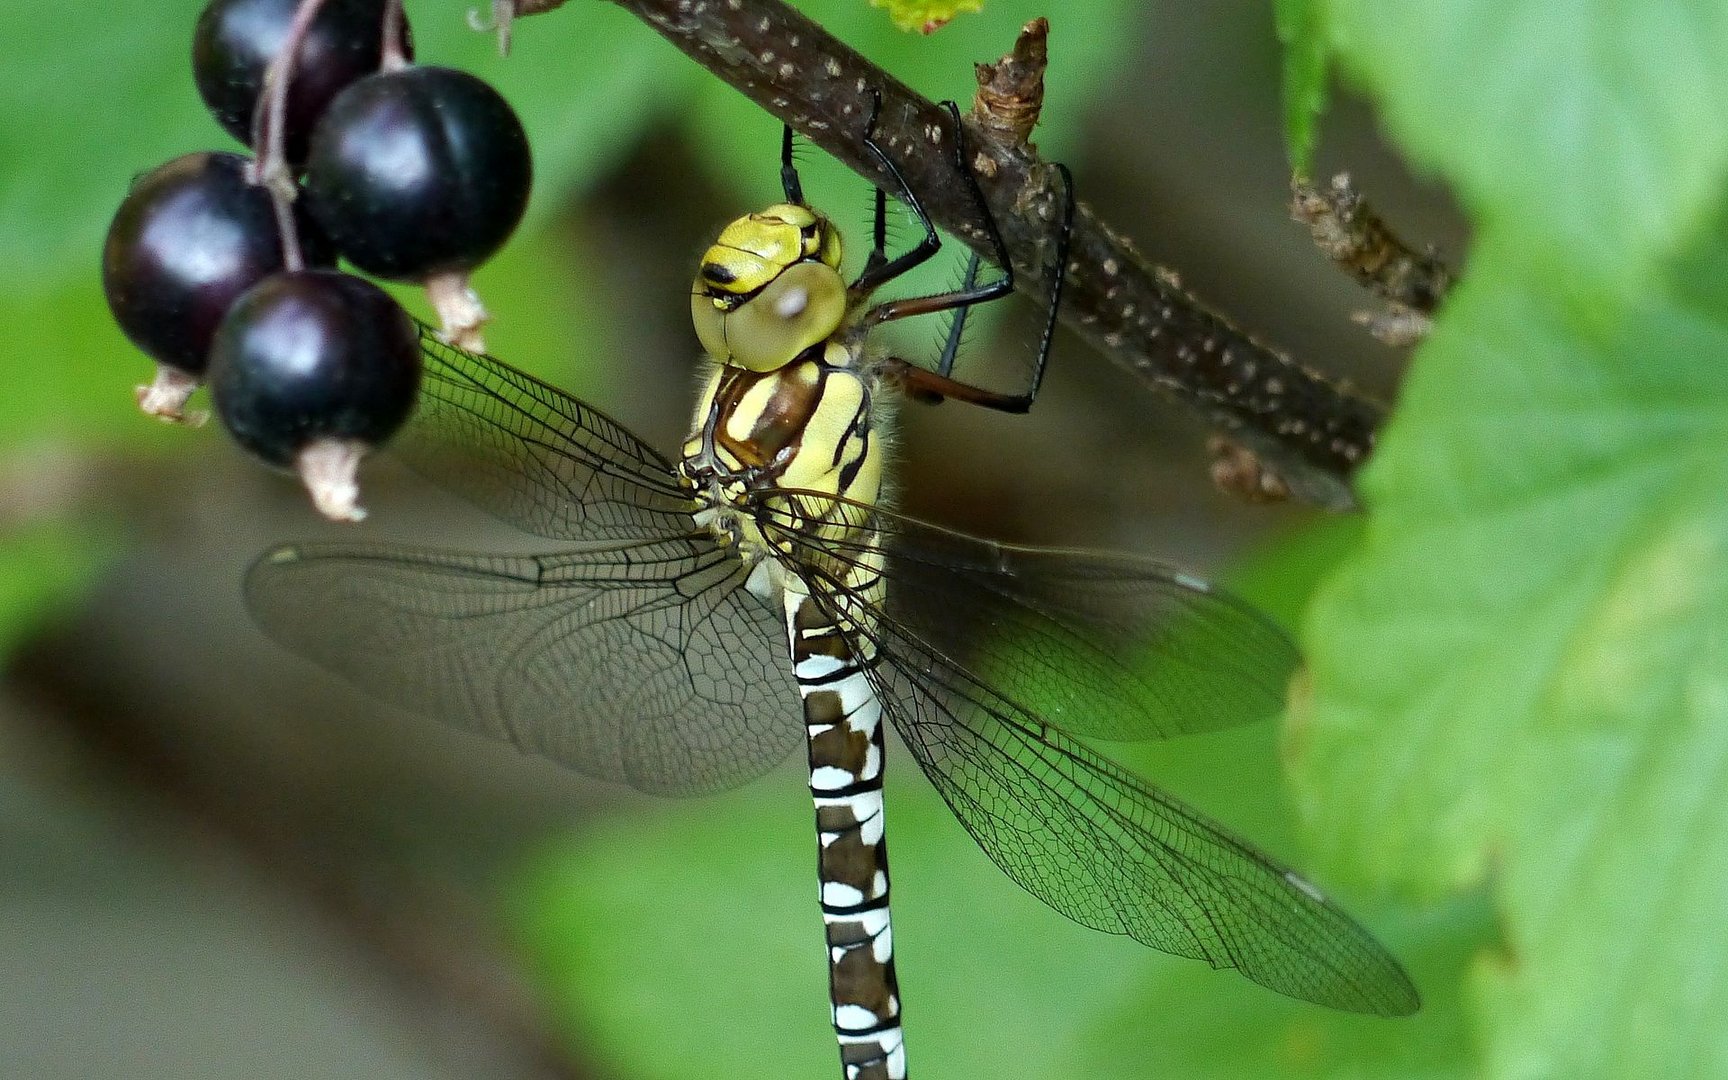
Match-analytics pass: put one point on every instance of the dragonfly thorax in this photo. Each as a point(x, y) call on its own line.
point(769, 288)
point(784, 442)
point(785, 424)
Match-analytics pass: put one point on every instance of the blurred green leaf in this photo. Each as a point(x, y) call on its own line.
point(40, 567)
point(1282, 577)
point(1302, 29)
point(1590, 129)
point(1171, 1026)
point(539, 290)
point(684, 941)
point(82, 370)
point(83, 109)
point(1527, 666)
point(1522, 679)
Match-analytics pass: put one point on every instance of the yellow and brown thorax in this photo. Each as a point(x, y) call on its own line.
point(790, 406)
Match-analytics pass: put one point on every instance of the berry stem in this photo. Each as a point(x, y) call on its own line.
point(328, 468)
point(459, 309)
point(269, 131)
point(166, 397)
point(393, 55)
point(270, 123)
point(290, 236)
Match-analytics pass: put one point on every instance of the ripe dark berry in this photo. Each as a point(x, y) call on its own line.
point(236, 40)
point(418, 172)
point(189, 238)
point(311, 369)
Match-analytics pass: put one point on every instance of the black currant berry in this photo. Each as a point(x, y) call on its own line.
point(190, 237)
point(418, 172)
point(236, 40)
point(310, 370)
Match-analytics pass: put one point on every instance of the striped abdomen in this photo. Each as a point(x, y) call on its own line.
point(782, 444)
point(843, 720)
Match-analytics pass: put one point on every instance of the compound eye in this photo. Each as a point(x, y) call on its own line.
point(803, 305)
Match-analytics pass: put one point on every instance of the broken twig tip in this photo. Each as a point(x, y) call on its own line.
point(1241, 472)
point(1011, 91)
point(1348, 231)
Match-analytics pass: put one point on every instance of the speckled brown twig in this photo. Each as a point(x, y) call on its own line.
point(1351, 234)
point(1310, 431)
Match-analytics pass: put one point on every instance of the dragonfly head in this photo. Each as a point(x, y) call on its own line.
point(769, 288)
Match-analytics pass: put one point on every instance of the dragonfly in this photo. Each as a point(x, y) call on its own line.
point(694, 608)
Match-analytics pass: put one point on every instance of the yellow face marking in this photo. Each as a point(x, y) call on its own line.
point(866, 486)
point(769, 288)
point(754, 249)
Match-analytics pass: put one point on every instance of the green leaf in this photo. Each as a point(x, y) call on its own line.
point(926, 16)
point(1521, 681)
point(82, 370)
point(1526, 671)
point(41, 567)
point(1301, 28)
point(1590, 130)
point(84, 108)
point(1281, 578)
point(683, 940)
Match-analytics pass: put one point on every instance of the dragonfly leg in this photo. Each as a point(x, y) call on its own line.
point(878, 237)
point(923, 384)
point(971, 291)
point(789, 181)
point(924, 305)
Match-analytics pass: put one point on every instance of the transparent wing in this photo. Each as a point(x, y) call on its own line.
point(1111, 851)
point(1085, 836)
point(1100, 645)
point(534, 456)
point(646, 664)
point(649, 663)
